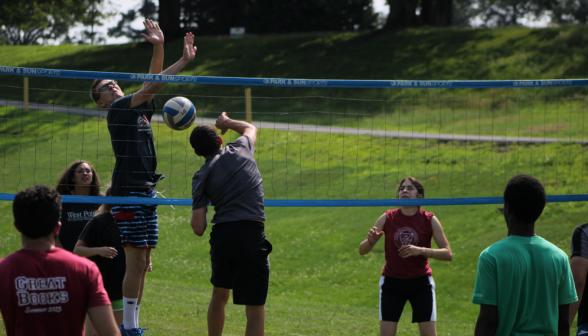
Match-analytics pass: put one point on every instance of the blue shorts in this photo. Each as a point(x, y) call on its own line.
point(137, 223)
point(582, 329)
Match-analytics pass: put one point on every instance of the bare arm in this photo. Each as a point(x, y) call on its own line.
point(83, 250)
point(487, 321)
point(563, 327)
point(224, 123)
point(198, 221)
point(442, 253)
point(374, 235)
point(150, 88)
point(154, 36)
point(579, 266)
point(103, 320)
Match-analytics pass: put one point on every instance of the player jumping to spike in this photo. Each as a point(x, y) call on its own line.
point(238, 248)
point(134, 174)
point(407, 275)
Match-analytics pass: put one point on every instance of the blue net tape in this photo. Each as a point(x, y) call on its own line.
point(326, 83)
point(310, 203)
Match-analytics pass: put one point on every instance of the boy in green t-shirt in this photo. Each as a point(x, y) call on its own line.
point(524, 283)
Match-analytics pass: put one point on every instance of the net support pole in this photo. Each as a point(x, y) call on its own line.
point(248, 104)
point(26, 94)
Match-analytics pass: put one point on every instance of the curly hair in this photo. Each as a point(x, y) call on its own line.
point(526, 197)
point(36, 211)
point(65, 184)
point(204, 140)
point(416, 183)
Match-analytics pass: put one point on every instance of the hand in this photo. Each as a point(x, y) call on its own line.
point(107, 252)
point(410, 251)
point(189, 48)
point(221, 122)
point(374, 235)
point(154, 33)
point(150, 269)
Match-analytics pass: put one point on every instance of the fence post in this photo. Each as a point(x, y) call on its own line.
point(26, 94)
point(248, 104)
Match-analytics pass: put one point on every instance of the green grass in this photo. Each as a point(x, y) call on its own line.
point(423, 54)
point(319, 285)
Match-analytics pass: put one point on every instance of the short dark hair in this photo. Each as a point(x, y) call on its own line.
point(416, 183)
point(204, 140)
point(526, 198)
point(65, 185)
point(37, 210)
point(94, 90)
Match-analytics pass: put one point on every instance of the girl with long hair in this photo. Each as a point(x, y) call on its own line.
point(406, 275)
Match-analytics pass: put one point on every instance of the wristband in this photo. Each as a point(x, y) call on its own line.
point(374, 244)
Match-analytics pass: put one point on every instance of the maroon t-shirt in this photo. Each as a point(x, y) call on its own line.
point(48, 292)
point(401, 230)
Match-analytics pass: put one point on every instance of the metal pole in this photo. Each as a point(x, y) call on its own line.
point(248, 104)
point(26, 94)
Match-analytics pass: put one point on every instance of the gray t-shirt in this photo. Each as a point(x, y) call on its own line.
point(231, 180)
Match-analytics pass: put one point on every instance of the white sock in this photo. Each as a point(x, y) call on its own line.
point(137, 315)
point(129, 307)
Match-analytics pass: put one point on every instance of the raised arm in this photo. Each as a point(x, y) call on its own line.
point(373, 236)
point(442, 253)
point(224, 123)
point(154, 36)
point(150, 88)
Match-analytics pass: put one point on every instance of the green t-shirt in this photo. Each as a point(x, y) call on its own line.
point(527, 278)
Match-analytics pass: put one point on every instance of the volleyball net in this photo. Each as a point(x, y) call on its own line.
point(320, 142)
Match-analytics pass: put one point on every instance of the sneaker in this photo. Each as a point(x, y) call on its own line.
point(130, 332)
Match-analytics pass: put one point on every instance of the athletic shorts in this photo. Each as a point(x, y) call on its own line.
point(420, 292)
point(117, 305)
point(137, 223)
point(582, 329)
point(239, 252)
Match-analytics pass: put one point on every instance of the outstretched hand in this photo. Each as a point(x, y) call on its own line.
point(189, 48)
point(154, 34)
point(374, 235)
point(222, 122)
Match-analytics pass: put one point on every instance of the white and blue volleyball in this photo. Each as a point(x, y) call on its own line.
point(179, 113)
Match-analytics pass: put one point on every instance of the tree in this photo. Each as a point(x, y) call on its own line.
point(169, 18)
point(414, 13)
point(211, 17)
point(148, 10)
point(27, 21)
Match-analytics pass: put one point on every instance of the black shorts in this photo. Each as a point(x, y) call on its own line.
point(239, 255)
point(419, 291)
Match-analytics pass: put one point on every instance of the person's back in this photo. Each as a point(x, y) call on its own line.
point(524, 284)
point(48, 288)
point(530, 276)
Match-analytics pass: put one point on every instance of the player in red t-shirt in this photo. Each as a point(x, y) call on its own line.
point(407, 275)
point(46, 290)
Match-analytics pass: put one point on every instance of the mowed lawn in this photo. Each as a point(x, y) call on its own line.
point(320, 285)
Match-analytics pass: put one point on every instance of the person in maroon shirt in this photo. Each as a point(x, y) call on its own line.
point(46, 290)
point(407, 275)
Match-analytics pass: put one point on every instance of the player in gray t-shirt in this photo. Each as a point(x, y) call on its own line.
point(230, 180)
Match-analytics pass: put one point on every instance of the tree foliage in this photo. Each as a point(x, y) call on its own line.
point(211, 17)
point(27, 21)
point(148, 10)
point(414, 13)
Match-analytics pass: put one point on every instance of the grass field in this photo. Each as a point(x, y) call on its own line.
point(423, 54)
point(319, 284)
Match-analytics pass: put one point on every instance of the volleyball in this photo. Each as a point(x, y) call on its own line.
point(179, 113)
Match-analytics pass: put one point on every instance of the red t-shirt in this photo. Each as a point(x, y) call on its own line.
point(48, 292)
point(400, 230)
